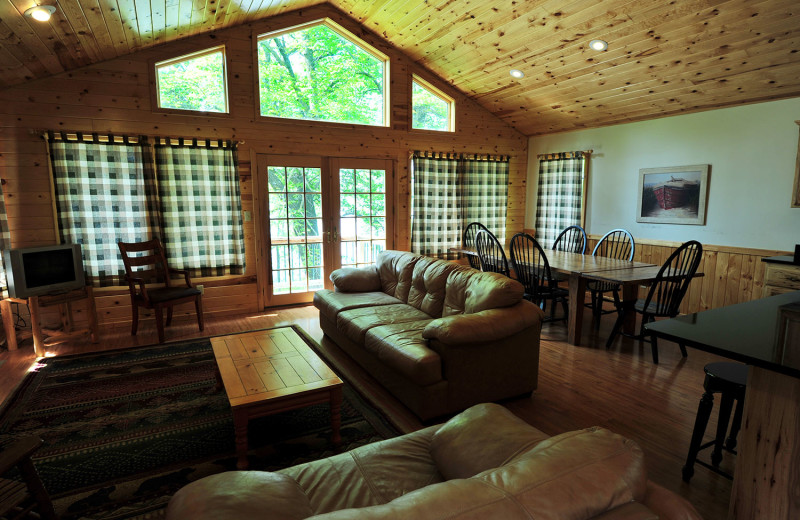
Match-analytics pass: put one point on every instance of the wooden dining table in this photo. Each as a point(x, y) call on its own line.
point(580, 268)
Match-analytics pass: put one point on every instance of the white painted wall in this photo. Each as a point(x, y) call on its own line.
point(751, 150)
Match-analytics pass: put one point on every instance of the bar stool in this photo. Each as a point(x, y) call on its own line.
point(730, 380)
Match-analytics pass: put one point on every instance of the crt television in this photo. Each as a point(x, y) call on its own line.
point(34, 271)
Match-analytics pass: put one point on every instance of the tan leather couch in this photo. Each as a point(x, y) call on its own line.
point(439, 335)
point(483, 464)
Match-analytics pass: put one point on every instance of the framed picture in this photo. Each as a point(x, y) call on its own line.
point(675, 195)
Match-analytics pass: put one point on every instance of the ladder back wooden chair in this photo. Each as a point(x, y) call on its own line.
point(468, 240)
point(533, 272)
point(23, 496)
point(146, 265)
point(666, 293)
point(617, 243)
point(491, 253)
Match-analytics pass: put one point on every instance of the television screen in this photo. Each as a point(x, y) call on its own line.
point(48, 267)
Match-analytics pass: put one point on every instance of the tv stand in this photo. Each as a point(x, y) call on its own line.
point(43, 337)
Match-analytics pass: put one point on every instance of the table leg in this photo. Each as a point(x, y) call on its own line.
point(577, 295)
point(336, 415)
point(630, 293)
point(217, 379)
point(8, 324)
point(240, 420)
point(38, 335)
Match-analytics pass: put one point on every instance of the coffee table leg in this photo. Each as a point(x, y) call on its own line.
point(240, 420)
point(218, 378)
point(336, 415)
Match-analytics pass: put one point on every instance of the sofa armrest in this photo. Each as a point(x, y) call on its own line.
point(483, 326)
point(351, 279)
point(240, 494)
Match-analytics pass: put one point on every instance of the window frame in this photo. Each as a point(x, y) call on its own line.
point(451, 104)
point(155, 91)
point(345, 33)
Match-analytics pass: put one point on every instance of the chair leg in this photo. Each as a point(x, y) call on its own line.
point(159, 312)
point(553, 310)
point(730, 443)
point(169, 315)
point(37, 490)
point(700, 422)
point(617, 327)
point(565, 306)
point(725, 407)
point(198, 306)
point(135, 318)
point(654, 348)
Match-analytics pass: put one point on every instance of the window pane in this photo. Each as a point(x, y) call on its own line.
point(347, 181)
point(430, 112)
point(378, 181)
point(277, 178)
point(314, 229)
point(313, 179)
point(277, 205)
point(297, 228)
point(280, 259)
point(348, 231)
point(348, 253)
point(362, 205)
point(296, 179)
point(280, 282)
point(364, 229)
point(278, 230)
point(314, 255)
point(379, 204)
point(297, 206)
point(347, 206)
point(195, 83)
point(379, 228)
point(298, 255)
point(315, 280)
point(299, 280)
point(315, 73)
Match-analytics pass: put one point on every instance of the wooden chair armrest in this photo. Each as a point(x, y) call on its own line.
point(17, 450)
point(133, 280)
point(185, 274)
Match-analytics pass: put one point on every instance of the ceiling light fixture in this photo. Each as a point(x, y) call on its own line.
point(41, 13)
point(598, 45)
point(516, 73)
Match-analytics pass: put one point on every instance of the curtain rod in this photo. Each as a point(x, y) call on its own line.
point(119, 138)
point(551, 155)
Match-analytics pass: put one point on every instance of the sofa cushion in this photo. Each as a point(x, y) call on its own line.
point(470, 291)
point(350, 279)
point(355, 323)
point(402, 347)
point(331, 303)
point(395, 269)
point(428, 285)
point(368, 475)
point(491, 435)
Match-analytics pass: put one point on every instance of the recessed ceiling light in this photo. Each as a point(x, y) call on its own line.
point(516, 73)
point(598, 45)
point(41, 13)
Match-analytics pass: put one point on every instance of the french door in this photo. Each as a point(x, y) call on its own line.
point(318, 214)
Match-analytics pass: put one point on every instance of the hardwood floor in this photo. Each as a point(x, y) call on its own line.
point(620, 389)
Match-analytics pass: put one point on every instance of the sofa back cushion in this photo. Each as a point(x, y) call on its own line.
point(469, 291)
point(428, 283)
point(395, 269)
point(482, 437)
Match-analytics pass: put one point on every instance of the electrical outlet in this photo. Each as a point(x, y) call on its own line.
point(247, 216)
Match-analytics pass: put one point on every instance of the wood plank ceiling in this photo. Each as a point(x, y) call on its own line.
point(664, 57)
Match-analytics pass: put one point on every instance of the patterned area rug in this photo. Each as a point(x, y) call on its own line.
point(125, 429)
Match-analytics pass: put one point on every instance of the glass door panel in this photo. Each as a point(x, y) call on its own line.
point(362, 211)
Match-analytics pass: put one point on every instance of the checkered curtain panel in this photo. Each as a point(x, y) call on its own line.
point(435, 205)
point(105, 193)
point(560, 200)
point(5, 243)
point(201, 208)
point(484, 195)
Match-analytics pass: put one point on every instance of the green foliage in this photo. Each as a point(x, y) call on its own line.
point(317, 74)
point(429, 111)
point(194, 84)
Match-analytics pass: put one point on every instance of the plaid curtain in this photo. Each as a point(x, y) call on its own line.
point(485, 195)
point(451, 190)
point(201, 206)
point(560, 200)
point(105, 193)
point(5, 243)
point(435, 204)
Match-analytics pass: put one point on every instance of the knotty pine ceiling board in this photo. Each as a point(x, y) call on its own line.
point(664, 58)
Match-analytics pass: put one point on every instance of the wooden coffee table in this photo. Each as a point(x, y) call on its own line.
point(271, 371)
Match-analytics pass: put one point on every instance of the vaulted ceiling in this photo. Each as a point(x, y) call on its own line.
point(663, 57)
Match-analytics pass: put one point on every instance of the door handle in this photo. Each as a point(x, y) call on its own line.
point(335, 234)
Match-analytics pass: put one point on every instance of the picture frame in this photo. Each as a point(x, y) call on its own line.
point(673, 195)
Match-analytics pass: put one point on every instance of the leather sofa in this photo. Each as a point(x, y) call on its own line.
point(440, 336)
point(484, 463)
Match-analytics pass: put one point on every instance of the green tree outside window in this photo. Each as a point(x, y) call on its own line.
point(195, 82)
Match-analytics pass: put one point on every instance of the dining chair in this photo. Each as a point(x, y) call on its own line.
point(617, 243)
point(572, 239)
point(23, 495)
point(491, 254)
point(146, 263)
point(533, 272)
point(665, 293)
point(468, 240)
